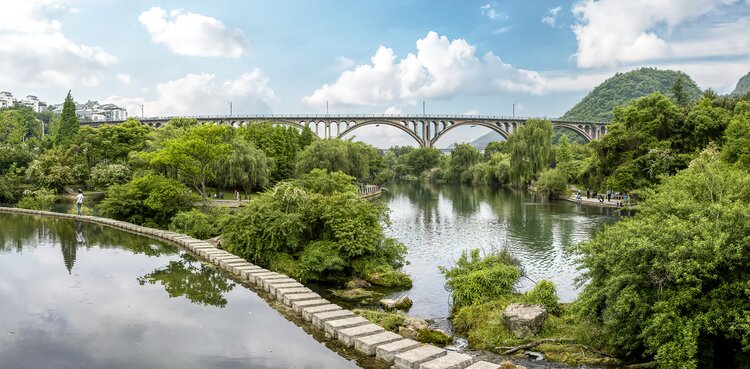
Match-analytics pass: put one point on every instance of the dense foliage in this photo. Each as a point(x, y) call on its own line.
point(151, 200)
point(66, 130)
point(356, 159)
point(530, 151)
point(317, 228)
point(623, 88)
point(672, 282)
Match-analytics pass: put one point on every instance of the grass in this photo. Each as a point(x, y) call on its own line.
point(389, 321)
point(483, 324)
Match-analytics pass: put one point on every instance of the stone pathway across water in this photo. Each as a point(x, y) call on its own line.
point(353, 331)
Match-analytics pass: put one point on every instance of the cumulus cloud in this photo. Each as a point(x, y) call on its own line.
point(551, 18)
point(612, 32)
point(440, 69)
point(35, 53)
point(393, 110)
point(344, 63)
point(203, 94)
point(194, 34)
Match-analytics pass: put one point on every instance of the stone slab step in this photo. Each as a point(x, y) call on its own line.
point(389, 351)
point(333, 326)
point(289, 299)
point(309, 311)
point(452, 360)
point(318, 319)
point(281, 292)
point(297, 306)
point(268, 282)
point(368, 344)
point(412, 358)
point(347, 335)
point(274, 288)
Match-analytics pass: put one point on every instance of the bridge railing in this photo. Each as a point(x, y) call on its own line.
point(350, 116)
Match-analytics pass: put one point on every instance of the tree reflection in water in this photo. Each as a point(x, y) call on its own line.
point(190, 278)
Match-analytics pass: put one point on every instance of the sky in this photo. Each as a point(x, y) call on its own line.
point(366, 57)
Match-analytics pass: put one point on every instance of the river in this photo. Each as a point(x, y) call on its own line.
point(438, 221)
point(87, 296)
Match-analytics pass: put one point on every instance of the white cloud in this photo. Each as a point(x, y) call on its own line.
point(490, 12)
point(35, 53)
point(551, 19)
point(501, 30)
point(194, 34)
point(203, 94)
point(124, 78)
point(440, 69)
point(471, 112)
point(393, 110)
point(612, 32)
point(344, 63)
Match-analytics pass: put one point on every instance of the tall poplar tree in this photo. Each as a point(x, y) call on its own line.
point(69, 124)
point(530, 150)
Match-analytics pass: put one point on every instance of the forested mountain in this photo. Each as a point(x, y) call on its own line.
point(623, 88)
point(743, 86)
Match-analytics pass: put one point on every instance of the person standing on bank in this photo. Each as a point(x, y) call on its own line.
point(79, 200)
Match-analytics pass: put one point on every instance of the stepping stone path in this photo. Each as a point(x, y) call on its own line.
point(353, 331)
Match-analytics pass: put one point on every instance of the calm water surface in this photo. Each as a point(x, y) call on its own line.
point(95, 297)
point(438, 221)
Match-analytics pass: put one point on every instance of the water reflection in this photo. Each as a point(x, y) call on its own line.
point(187, 277)
point(97, 315)
point(438, 221)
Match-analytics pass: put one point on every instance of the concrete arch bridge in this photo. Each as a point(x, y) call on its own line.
point(426, 130)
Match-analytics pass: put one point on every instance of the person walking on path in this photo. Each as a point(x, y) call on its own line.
point(79, 201)
point(588, 193)
point(609, 195)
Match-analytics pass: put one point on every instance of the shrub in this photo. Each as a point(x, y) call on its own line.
point(105, 175)
point(671, 282)
point(476, 279)
point(85, 210)
point(552, 183)
point(194, 223)
point(544, 293)
point(41, 199)
point(321, 223)
point(147, 200)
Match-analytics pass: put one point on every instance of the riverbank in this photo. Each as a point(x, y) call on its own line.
point(366, 339)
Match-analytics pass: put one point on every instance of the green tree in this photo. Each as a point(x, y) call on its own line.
point(422, 159)
point(495, 147)
point(737, 137)
point(564, 158)
point(68, 128)
point(150, 200)
point(552, 183)
point(671, 282)
point(530, 151)
point(280, 143)
point(19, 124)
point(195, 155)
point(306, 137)
point(356, 159)
point(679, 92)
point(462, 158)
point(53, 169)
point(246, 167)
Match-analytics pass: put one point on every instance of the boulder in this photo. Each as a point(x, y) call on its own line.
point(524, 320)
point(402, 303)
point(509, 365)
point(215, 242)
point(418, 330)
point(353, 293)
point(358, 283)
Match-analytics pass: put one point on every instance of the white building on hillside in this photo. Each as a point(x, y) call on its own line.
point(6, 99)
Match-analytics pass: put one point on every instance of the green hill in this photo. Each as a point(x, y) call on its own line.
point(623, 88)
point(743, 86)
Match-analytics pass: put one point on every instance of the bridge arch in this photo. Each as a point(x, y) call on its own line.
point(489, 125)
point(384, 122)
point(581, 129)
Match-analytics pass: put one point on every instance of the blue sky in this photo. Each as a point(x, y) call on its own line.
point(461, 57)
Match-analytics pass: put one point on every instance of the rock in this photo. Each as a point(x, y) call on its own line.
point(215, 242)
point(417, 329)
point(524, 320)
point(509, 365)
point(358, 283)
point(402, 303)
point(415, 323)
point(353, 293)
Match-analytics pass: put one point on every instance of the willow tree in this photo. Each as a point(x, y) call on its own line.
point(194, 155)
point(530, 149)
point(246, 167)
